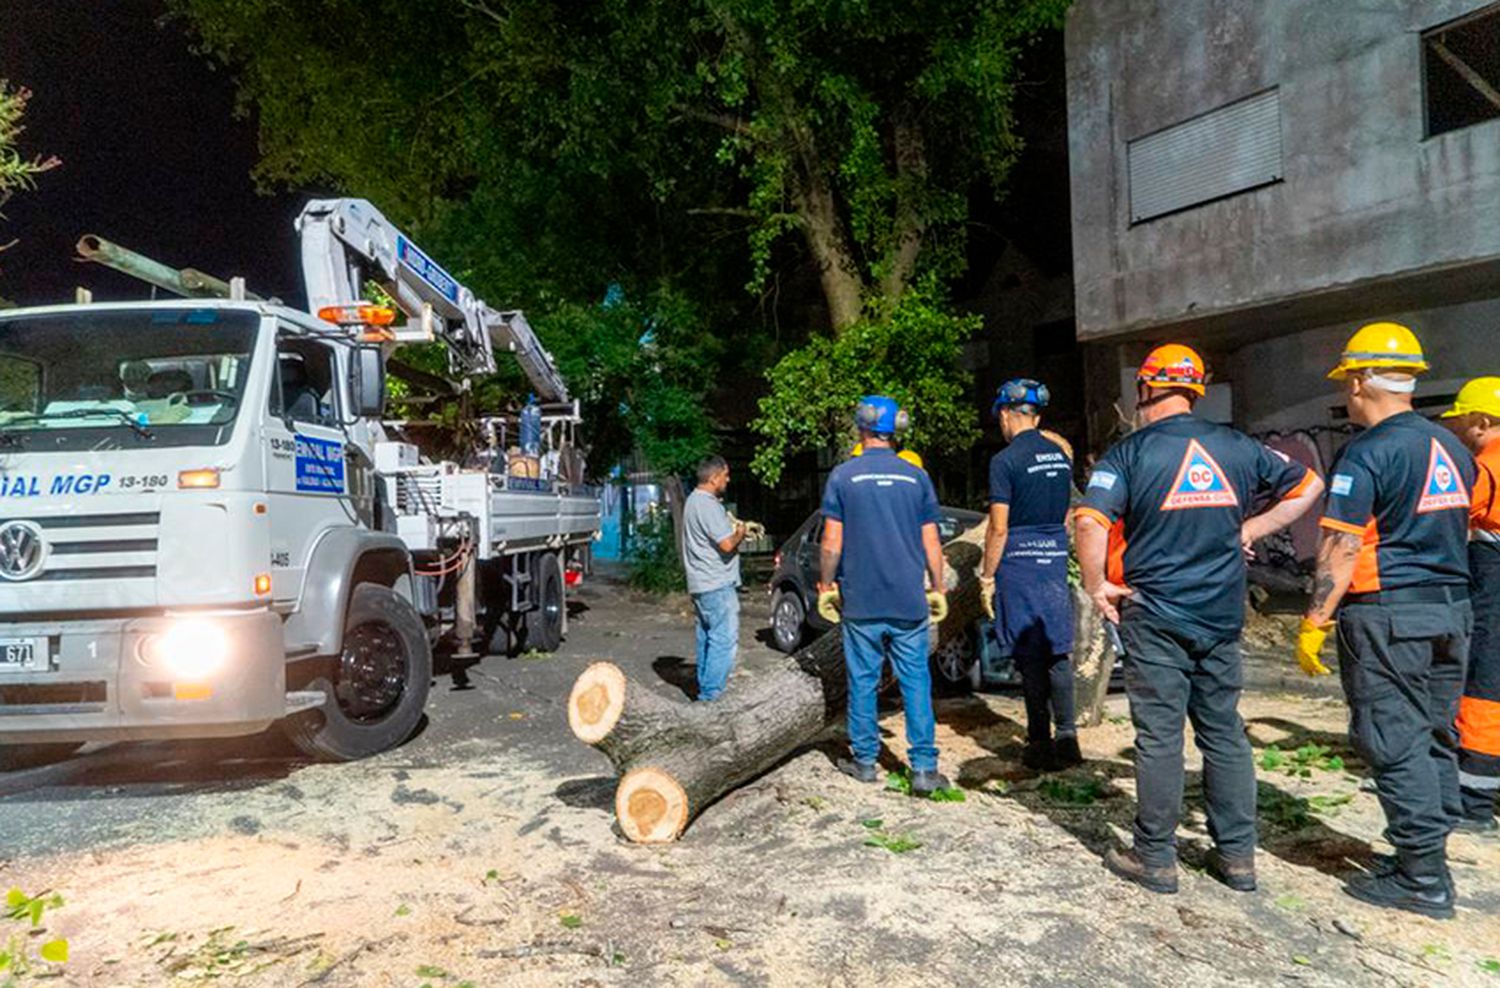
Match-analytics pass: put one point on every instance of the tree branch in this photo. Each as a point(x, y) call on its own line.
point(911, 226)
point(724, 121)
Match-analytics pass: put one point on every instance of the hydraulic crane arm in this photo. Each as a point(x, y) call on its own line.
point(347, 241)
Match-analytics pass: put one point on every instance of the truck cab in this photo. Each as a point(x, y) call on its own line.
point(183, 488)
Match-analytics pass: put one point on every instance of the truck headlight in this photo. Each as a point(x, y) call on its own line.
point(192, 649)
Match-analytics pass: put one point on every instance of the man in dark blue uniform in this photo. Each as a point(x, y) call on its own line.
point(1024, 577)
point(880, 533)
point(1178, 491)
point(1393, 566)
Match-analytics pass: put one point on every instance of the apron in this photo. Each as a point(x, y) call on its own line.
point(1033, 606)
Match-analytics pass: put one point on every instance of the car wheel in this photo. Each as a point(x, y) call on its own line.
point(788, 621)
point(955, 666)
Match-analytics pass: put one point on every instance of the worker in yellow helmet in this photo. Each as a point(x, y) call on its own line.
point(1393, 570)
point(1475, 419)
point(909, 455)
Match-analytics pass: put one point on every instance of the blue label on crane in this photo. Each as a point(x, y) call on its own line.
point(427, 269)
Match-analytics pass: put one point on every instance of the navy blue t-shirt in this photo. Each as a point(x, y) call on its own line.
point(1182, 488)
point(1404, 487)
point(883, 502)
point(1034, 477)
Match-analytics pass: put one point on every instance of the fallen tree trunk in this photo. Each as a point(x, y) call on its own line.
point(675, 757)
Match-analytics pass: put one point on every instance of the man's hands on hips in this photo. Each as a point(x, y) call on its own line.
point(1107, 597)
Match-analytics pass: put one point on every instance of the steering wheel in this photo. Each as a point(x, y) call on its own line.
point(204, 396)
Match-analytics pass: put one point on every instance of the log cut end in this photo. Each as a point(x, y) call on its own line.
point(651, 806)
point(597, 700)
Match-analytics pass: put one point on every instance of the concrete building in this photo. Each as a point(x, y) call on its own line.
point(1259, 177)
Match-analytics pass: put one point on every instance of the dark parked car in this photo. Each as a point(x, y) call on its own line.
point(794, 597)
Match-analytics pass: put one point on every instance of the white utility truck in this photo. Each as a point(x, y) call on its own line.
point(207, 525)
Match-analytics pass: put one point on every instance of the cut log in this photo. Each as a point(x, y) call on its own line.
point(1093, 660)
point(675, 757)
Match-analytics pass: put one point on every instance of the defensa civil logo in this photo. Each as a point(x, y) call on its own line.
point(1200, 483)
point(1444, 486)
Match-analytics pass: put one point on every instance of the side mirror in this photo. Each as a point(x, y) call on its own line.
point(367, 382)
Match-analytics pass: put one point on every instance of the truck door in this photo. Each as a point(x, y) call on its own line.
point(307, 480)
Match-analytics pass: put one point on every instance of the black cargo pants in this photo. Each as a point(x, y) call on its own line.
point(1170, 678)
point(1401, 658)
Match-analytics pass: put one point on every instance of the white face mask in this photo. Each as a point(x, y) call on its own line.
point(1396, 385)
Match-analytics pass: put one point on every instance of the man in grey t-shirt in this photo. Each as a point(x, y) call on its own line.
point(711, 558)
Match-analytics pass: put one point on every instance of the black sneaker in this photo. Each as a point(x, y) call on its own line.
point(1476, 825)
point(1065, 753)
point(928, 781)
point(1428, 895)
point(1037, 756)
point(859, 771)
point(1236, 872)
point(1129, 866)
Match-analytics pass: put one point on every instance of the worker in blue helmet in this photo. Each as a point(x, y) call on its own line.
point(880, 534)
point(1024, 577)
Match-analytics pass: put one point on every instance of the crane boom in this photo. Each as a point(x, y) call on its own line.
point(347, 241)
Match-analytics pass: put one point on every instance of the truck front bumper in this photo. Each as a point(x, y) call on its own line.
point(195, 674)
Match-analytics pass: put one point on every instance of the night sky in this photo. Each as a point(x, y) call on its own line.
point(152, 157)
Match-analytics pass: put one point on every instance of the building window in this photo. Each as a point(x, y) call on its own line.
point(1223, 152)
point(1461, 71)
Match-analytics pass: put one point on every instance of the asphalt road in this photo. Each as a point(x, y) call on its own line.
point(99, 797)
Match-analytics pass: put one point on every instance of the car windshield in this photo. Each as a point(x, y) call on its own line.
point(166, 376)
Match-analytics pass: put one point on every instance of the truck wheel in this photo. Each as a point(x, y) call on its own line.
point(14, 757)
point(379, 681)
point(541, 627)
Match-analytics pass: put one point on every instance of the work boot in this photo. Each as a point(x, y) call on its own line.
point(1065, 753)
point(859, 771)
point(1038, 756)
point(1419, 883)
point(1237, 872)
point(928, 781)
point(1129, 866)
point(1383, 865)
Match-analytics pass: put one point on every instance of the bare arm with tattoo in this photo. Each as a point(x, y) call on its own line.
point(1337, 553)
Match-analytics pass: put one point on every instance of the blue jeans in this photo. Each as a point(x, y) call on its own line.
point(718, 633)
point(865, 644)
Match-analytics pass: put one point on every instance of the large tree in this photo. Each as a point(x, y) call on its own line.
point(677, 148)
point(18, 170)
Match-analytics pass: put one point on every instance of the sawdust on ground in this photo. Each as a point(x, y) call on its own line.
point(494, 871)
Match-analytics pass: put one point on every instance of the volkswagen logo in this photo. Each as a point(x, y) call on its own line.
point(22, 550)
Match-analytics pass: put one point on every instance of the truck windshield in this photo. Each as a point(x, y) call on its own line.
point(170, 377)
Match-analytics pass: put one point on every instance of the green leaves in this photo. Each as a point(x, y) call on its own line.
point(908, 350)
point(896, 843)
point(1302, 762)
point(54, 951)
point(15, 950)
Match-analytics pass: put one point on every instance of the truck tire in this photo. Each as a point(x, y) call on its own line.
point(541, 627)
point(379, 683)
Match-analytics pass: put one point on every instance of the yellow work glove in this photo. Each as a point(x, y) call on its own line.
point(830, 605)
point(937, 606)
point(1310, 638)
point(987, 596)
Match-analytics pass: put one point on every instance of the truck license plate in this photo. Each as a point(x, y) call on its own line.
point(21, 654)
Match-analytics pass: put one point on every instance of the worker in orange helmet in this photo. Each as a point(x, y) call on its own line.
point(1181, 491)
